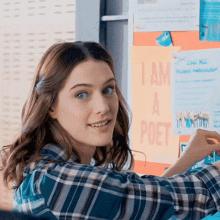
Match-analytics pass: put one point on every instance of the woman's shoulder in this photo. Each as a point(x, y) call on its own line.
point(50, 153)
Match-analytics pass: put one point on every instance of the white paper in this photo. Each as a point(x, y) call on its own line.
point(195, 91)
point(27, 29)
point(166, 15)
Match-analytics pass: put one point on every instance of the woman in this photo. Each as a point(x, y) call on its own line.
point(67, 162)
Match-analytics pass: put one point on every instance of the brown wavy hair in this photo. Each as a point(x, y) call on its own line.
point(38, 128)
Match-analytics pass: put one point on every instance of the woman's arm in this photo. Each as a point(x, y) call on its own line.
point(200, 146)
point(83, 191)
point(73, 190)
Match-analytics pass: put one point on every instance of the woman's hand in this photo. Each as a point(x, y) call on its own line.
point(201, 144)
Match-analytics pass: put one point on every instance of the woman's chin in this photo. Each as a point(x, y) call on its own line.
point(102, 143)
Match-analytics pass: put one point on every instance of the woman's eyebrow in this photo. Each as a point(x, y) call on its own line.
point(90, 85)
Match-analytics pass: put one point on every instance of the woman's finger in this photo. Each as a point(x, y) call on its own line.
point(210, 141)
point(214, 147)
point(210, 134)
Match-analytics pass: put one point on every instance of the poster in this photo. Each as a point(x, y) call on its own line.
point(209, 27)
point(195, 91)
point(166, 15)
point(151, 104)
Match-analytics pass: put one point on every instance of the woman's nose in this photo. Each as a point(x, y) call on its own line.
point(101, 104)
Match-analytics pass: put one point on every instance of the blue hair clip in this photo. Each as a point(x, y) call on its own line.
point(40, 83)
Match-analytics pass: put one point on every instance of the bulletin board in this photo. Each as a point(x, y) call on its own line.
point(187, 40)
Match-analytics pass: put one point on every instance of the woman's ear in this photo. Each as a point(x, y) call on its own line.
point(52, 113)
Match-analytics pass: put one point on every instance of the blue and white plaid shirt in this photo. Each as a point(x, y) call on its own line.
point(70, 190)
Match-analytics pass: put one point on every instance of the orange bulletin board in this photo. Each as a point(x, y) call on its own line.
point(187, 40)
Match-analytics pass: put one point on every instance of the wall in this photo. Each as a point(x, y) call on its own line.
point(27, 29)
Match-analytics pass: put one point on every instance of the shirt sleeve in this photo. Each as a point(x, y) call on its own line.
point(88, 192)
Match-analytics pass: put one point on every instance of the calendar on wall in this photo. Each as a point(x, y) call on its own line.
point(27, 29)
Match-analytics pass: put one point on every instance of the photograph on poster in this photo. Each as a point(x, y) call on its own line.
point(193, 119)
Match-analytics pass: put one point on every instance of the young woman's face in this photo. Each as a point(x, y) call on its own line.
point(87, 106)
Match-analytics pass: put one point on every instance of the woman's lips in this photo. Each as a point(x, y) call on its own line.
point(102, 128)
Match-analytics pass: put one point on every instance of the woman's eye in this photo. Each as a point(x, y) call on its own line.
point(109, 90)
point(82, 95)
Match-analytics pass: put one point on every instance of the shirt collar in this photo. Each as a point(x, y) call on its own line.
point(56, 152)
point(51, 152)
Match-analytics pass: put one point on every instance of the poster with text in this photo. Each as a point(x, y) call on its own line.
point(195, 91)
point(166, 15)
point(151, 104)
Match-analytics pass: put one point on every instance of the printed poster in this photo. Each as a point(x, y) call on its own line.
point(166, 15)
point(209, 27)
point(196, 91)
point(151, 104)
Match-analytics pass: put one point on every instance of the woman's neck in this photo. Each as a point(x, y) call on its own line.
point(85, 153)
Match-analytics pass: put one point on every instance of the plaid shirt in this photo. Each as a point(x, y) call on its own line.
point(70, 190)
